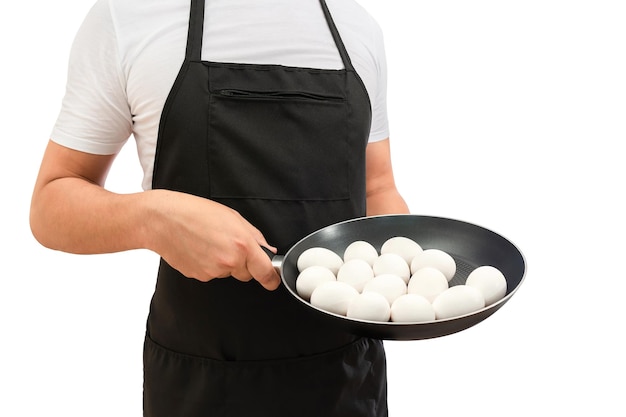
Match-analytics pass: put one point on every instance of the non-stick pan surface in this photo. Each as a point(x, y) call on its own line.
point(470, 245)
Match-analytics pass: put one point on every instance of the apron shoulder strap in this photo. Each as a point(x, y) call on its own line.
point(196, 28)
point(343, 52)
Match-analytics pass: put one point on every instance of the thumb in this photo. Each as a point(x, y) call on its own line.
point(259, 264)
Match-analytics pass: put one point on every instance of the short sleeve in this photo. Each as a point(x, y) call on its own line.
point(95, 116)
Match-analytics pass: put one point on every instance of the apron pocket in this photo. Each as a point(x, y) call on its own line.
point(278, 145)
point(347, 382)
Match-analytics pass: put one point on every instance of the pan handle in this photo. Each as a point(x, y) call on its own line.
point(277, 260)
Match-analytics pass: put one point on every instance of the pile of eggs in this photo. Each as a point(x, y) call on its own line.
point(401, 283)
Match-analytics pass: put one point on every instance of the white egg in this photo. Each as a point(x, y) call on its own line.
point(355, 272)
point(412, 308)
point(333, 296)
point(311, 278)
point(320, 257)
point(457, 301)
point(403, 246)
point(389, 285)
point(490, 281)
point(428, 282)
point(360, 250)
point(437, 259)
point(392, 263)
point(370, 306)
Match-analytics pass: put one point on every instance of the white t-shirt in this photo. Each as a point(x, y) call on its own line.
point(127, 55)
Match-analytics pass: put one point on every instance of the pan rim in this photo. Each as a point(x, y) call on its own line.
point(389, 324)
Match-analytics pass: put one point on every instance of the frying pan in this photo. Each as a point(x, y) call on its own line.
point(470, 245)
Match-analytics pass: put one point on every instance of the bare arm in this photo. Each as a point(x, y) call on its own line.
point(382, 195)
point(72, 212)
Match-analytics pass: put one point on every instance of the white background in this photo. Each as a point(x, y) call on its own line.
point(507, 114)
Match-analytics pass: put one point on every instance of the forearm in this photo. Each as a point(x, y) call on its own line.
point(386, 201)
point(76, 216)
point(382, 194)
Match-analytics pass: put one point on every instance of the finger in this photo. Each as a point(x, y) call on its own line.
point(258, 236)
point(241, 274)
point(243, 277)
point(261, 268)
point(271, 248)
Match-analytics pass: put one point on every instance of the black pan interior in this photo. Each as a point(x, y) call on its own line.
point(470, 245)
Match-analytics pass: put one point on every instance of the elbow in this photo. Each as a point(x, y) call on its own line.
point(386, 201)
point(40, 226)
point(37, 230)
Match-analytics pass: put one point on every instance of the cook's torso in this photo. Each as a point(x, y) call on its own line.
point(285, 147)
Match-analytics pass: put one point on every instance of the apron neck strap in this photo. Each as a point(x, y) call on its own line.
point(347, 63)
point(196, 29)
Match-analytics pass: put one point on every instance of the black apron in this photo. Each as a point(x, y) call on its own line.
point(285, 147)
